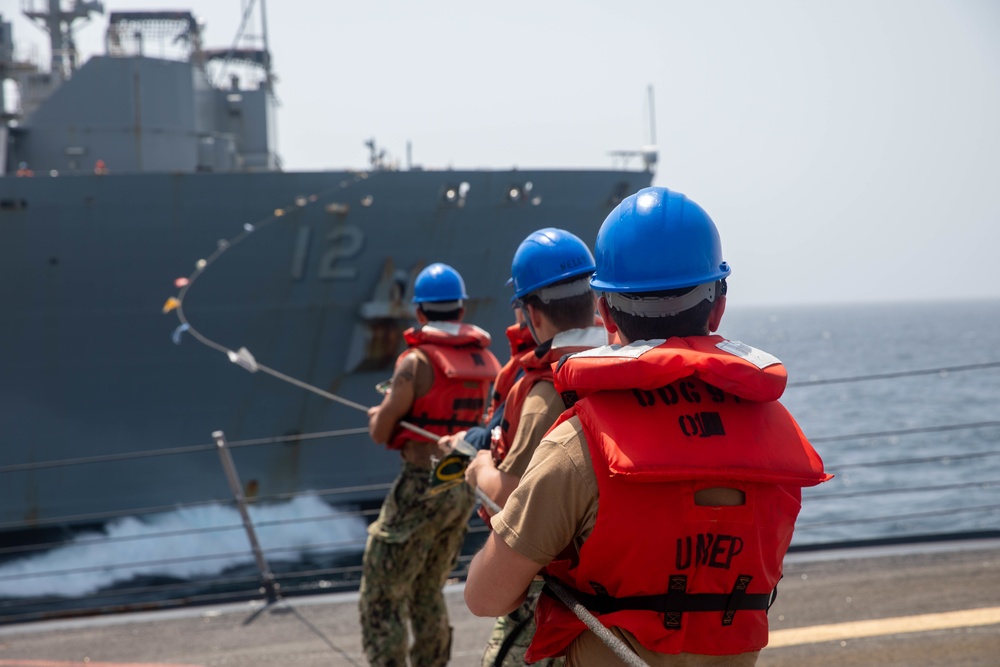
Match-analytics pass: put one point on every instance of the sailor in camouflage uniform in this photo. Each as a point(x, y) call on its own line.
point(440, 384)
point(411, 548)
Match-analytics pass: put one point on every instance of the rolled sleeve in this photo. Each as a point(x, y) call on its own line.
point(555, 504)
point(542, 407)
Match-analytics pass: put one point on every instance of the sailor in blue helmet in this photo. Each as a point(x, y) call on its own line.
point(664, 499)
point(440, 384)
point(550, 274)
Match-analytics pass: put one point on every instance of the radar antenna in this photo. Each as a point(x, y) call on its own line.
point(255, 56)
point(52, 18)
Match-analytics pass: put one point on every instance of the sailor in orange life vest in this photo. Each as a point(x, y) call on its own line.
point(441, 384)
point(550, 273)
point(664, 500)
point(520, 339)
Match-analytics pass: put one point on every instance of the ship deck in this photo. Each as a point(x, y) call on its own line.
point(929, 604)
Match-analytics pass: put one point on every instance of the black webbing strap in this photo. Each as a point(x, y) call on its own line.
point(676, 601)
point(508, 641)
point(424, 421)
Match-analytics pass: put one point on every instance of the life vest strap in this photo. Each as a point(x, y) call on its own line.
point(424, 421)
point(676, 601)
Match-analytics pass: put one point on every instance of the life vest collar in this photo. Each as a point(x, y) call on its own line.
point(732, 366)
point(589, 337)
point(520, 338)
point(569, 341)
point(447, 333)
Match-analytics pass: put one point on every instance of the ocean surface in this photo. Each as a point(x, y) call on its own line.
point(900, 400)
point(936, 468)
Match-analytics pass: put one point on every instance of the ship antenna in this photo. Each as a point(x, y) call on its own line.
point(267, 49)
point(59, 24)
point(650, 153)
point(264, 60)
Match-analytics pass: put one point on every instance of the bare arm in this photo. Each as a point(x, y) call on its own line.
point(382, 418)
point(533, 529)
point(498, 579)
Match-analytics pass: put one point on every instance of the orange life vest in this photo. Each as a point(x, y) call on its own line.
point(463, 370)
point(537, 365)
point(521, 340)
point(664, 419)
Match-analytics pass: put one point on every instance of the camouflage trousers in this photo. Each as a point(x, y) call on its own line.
point(411, 548)
point(512, 634)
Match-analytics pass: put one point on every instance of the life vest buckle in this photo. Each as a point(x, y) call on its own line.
point(735, 597)
point(676, 588)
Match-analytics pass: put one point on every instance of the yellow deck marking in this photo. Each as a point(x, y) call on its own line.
point(884, 626)
point(778, 638)
point(89, 663)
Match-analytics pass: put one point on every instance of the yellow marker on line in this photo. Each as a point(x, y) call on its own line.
point(965, 618)
point(171, 303)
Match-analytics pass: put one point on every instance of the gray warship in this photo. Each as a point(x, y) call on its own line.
point(121, 177)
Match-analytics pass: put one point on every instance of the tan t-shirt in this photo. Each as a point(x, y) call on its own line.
point(541, 407)
point(531, 522)
point(551, 513)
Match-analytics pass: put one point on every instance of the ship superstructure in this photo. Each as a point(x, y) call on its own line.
point(140, 166)
point(129, 111)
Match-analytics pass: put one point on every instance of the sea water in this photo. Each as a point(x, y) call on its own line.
point(931, 467)
point(934, 471)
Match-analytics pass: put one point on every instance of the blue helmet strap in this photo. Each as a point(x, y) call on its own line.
point(660, 306)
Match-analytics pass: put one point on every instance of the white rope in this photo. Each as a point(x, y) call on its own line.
point(620, 648)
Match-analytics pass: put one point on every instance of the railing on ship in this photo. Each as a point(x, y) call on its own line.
point(249, 583)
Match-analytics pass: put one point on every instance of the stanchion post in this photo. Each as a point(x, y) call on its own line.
point(268, 585)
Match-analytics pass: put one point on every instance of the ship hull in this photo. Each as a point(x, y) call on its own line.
point(317, 292)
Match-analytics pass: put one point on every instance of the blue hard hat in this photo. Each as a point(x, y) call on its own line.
point(546, 257)
point(657, 239)
point(438, 282)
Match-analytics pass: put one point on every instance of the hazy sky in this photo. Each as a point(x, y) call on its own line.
point(848, 151)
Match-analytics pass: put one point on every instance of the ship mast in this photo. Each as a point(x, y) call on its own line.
point(267, 48)
point(649, 154)
point(59, 24)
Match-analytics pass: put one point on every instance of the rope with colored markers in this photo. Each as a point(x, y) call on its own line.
point(243, 357)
